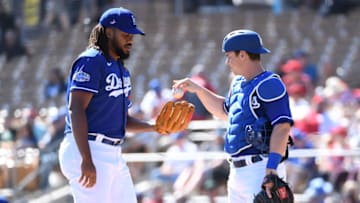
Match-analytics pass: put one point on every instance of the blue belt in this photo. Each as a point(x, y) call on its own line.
point(106, 140)
point(242, 162)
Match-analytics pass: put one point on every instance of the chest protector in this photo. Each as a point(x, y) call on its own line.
point(249, 128)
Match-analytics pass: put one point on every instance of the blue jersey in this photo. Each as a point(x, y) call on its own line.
point(109, 81)
point(263, 98)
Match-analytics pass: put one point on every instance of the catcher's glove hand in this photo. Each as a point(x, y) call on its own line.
point(280, 191)
point(174, 117)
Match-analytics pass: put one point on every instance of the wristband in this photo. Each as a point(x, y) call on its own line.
point(274, 160)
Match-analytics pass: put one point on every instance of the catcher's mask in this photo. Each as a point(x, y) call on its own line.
point(246, 40)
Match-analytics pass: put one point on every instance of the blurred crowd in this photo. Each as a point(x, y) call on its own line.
point(326, 116)
point(322, 7)
point(325, 108)
point(23, 20)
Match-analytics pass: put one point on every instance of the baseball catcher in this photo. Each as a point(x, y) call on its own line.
point(280, 191)
point(174, 117)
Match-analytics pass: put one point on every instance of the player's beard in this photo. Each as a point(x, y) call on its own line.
point(121, 53)
point(118, 50)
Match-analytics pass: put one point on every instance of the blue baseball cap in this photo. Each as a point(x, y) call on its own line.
point(155, 84)
point(246, 40)
point(120, 18)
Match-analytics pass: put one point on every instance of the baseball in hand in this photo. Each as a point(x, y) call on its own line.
point(177, 93)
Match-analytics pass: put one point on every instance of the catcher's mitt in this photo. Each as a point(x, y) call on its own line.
point(280, 191)
point(174, 117)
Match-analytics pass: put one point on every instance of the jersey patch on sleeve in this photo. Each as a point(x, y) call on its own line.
point(81, 76)
point(271, 89)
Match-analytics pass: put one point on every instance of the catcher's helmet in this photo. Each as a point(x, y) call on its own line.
point(246, 40)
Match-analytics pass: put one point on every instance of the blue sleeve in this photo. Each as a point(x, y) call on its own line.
point(85, 75)
point(278, 111)
point(275, 99)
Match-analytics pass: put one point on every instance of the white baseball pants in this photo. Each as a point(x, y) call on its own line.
point(113, 180)
point(245, 182)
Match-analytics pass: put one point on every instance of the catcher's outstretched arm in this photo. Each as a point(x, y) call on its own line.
point(212, 102)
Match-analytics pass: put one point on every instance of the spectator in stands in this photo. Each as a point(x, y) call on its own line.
point(7, 21)
point(301, 170)
point(141, 142)
point(350, 191)
point(313, 4)
point(334, 140)
point(339, 180)
point(335, 95)
point(189, 177)
point(279, 66)
point(199, 77)
point(170, 169)
point(156, 195)
point(336, 7)
point(354, 130)
point(309, 124)
point(293, 73)
point(40, 123)
point(50, 143)
point(55, 85)
point(309, 68)
point(74, 8)
point(9, 131)
point(25, 137)
point(56, 14)
point(338, 91)
point(183, 175)
point(13, 45)
point(299, 105)
point(54, 134)
point(215, 171)
point(154, 99)
point(319, 188)
point(102, 5)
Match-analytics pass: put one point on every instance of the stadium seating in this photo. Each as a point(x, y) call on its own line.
point(174, 44)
